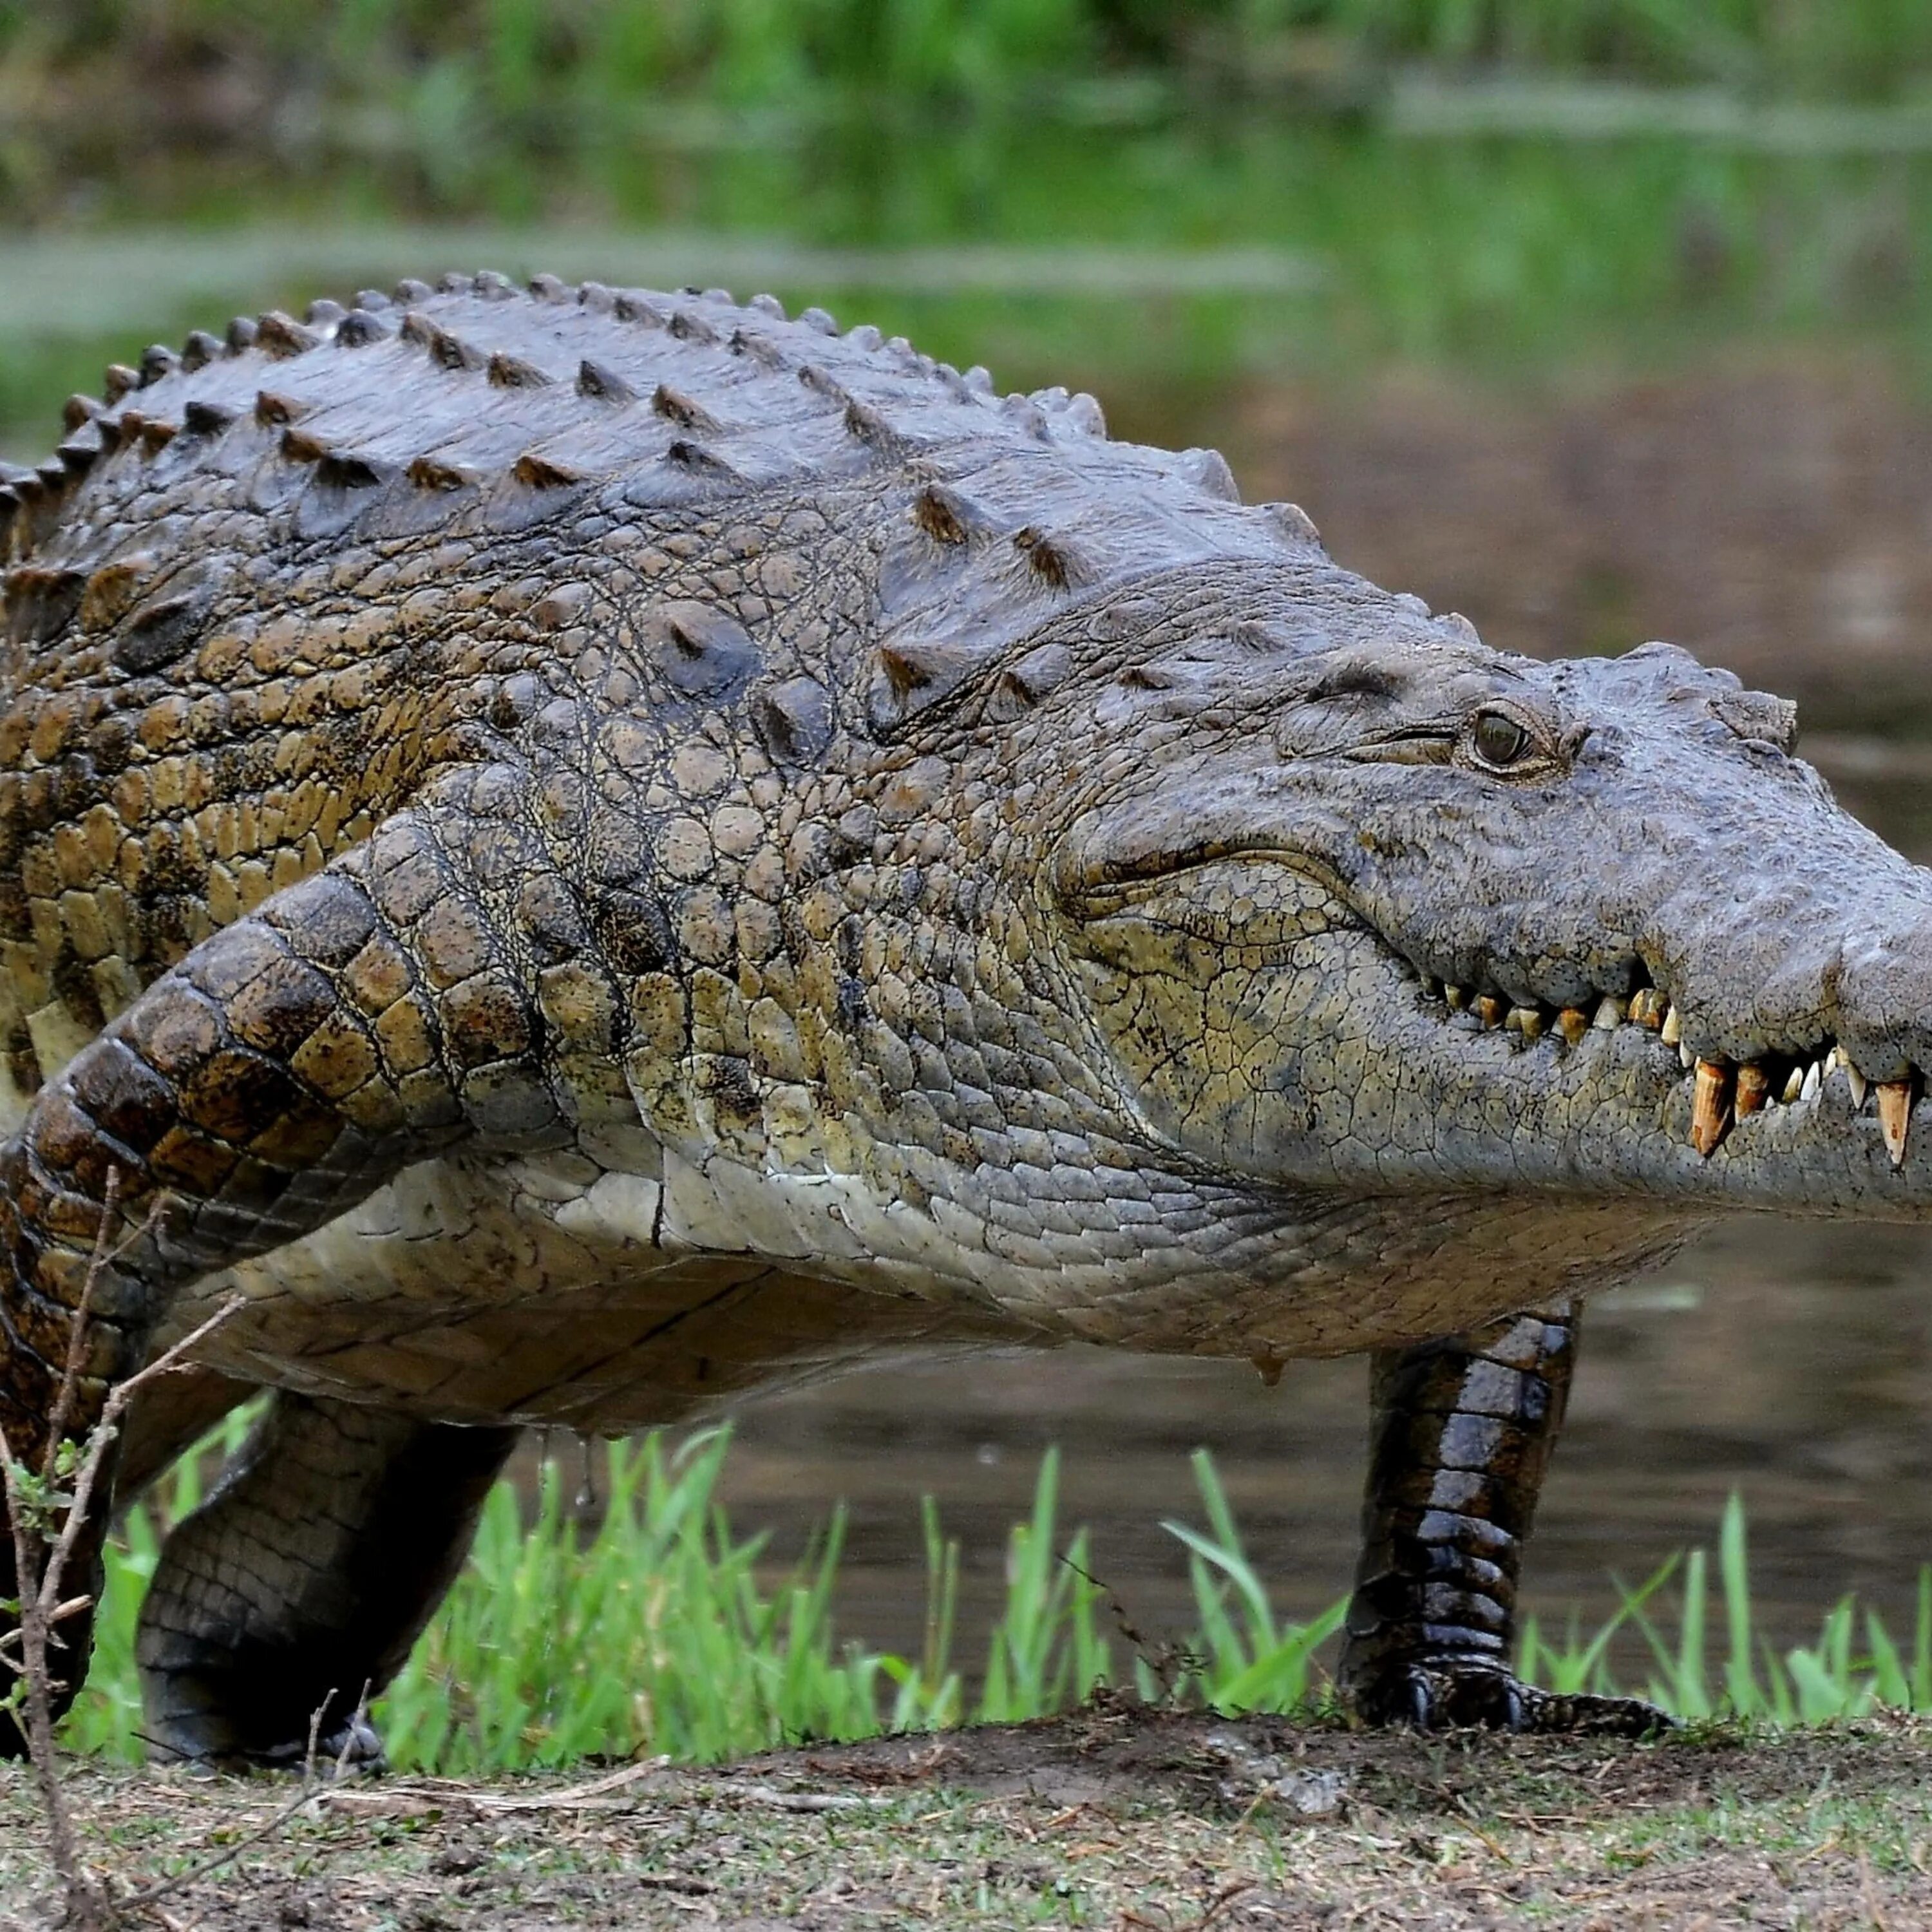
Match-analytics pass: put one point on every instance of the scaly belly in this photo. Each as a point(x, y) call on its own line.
point(540, 1292)
point(577, 1292)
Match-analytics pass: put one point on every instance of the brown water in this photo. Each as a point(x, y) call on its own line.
point(1775, 519)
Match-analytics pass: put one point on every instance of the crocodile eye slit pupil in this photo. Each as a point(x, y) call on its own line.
point(1499, 739)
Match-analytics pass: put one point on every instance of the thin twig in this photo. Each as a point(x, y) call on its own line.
point(101, 1438)
point(85, 1897)
point(40, 1562)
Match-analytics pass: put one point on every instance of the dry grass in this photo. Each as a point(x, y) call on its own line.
point(1115, 1817)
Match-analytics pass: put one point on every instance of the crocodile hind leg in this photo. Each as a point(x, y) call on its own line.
point(1461, 1436)
point(305, 1577)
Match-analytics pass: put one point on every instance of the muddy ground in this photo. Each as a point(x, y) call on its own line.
point(1115, 1817)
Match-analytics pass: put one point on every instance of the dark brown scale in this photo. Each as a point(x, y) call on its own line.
point(1461, 1433)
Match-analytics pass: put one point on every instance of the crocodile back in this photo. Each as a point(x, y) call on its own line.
point(272, 584)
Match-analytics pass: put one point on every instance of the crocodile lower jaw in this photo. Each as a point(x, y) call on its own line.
point(1723, 1092)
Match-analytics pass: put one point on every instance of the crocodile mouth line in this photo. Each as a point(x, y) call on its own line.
point(1723, 1092)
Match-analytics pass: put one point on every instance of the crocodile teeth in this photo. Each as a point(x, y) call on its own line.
point(1672, 1031)
point(1490, 1010)
point(1526, 1021)
point(1894, 1115)
point(1457, 998)
point(1814, 1080)
point(1646, 1008)
point(1858, 1085)
point(1610, 1016)
point(1710, 1110)
point(1794, 1085)
point(1754, 1088)
point(1573, 1023)
point(1685, 1057)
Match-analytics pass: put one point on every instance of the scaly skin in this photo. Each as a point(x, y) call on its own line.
point(593, 852)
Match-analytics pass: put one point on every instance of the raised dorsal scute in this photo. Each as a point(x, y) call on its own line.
point(703, 651)
point(1292, 522)
point(595, 379)
point(1208, 468)
point(360, 327)
point(634, 305)
point(946, 516)
point(910, 676)
point(512, 372)
point(1083, 415)
point(275, 409)
point(536, 471)
point(81, 451)
point(281, 335)
point(1026, 415)
point(200, 417)
point(1053, 560)
point(676, 407)
point(794, 720)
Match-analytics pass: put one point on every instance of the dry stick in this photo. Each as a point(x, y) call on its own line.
point(88, 1901)
point(100, 1439)
point(1167, 1662)
point(85, 1899)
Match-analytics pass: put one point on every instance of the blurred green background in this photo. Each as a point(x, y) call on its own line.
point(1597, 320)
point(1146, 189)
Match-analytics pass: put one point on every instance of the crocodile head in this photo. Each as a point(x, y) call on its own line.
point(1371, 905)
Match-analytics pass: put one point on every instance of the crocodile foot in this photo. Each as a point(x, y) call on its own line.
point(1456, 1694)
point(353, 1746)
point(346, 1749)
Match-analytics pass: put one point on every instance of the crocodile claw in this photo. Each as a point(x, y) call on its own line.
point(1447, 1694)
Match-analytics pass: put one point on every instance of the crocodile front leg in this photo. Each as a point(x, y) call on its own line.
point(365, 1018)
point(1461, 1436)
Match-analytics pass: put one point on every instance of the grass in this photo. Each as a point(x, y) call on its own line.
point(514, 58)
point(662, 1633)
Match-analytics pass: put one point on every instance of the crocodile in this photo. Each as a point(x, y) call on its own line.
point(575, 853)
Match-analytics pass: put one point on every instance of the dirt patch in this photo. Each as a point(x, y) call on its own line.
point(1115, 1817)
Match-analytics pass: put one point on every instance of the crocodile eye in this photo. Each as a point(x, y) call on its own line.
point(1498, 738)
